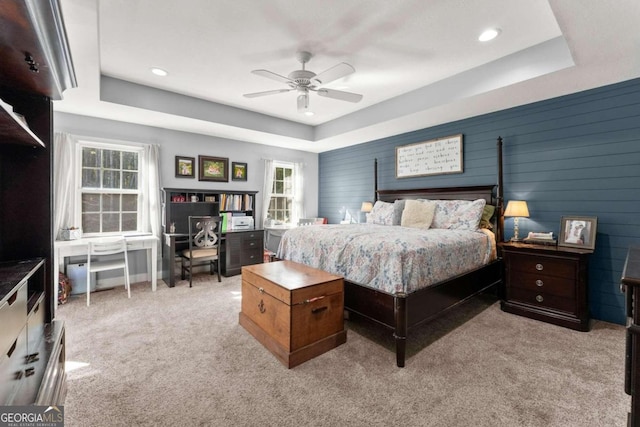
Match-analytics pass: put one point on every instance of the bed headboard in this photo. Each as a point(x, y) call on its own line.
point(492, 194)
point(486, 192)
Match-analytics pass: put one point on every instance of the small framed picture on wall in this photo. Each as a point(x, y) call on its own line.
point(185, 167)
point(238, 171)
point(213, 169)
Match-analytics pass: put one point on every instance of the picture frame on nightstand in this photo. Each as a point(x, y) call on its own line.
point(578, 232)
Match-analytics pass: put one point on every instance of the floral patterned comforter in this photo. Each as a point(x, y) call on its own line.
point(388, 258)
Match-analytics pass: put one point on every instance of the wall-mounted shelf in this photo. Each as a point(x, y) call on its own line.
point(14, 130)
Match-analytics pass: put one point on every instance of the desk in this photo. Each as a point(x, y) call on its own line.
point(67, 248)
point(238, 247)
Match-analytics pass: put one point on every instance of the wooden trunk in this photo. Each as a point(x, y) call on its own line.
point(295, 311)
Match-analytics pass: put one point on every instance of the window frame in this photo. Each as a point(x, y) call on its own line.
point(114, 146)
point(290, 196)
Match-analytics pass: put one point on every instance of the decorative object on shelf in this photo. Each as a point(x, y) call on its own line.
point(516, 209)
point(239, 171)
point(178, 198)
point(435, 157)
point(185, 167)
point(213, 169)
point(578, 232)
point(210, 199)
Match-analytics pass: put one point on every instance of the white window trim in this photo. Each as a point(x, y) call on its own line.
point(119, 146)
point(288, 165)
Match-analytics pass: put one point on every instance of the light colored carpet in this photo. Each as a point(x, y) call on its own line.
point(178, 357)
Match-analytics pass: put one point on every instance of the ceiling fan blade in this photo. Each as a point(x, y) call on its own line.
point(272, 76)
point(341, 95)
point(333, 73)
point(267, 92)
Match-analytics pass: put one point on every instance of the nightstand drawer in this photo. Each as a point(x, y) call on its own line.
point(543, 265)
point(543, 300)
point(558, 286)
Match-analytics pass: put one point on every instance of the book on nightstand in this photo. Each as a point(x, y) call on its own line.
point(540, 239)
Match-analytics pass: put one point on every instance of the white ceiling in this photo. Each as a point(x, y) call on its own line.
point(418, 62)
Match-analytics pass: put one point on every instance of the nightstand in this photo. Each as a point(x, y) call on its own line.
point(547, 283)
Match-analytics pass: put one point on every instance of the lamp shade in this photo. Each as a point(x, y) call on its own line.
point(366, 207)
point(517, 208)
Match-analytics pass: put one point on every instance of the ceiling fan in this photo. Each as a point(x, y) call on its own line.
point(303, 81)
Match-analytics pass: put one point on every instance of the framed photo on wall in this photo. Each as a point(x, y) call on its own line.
point(238, 171)
point(185, 167)
point(578, 232)
point(213, 169)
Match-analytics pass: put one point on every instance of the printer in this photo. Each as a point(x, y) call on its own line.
point(241, 222)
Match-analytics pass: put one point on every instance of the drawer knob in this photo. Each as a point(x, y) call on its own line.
point(261, 307)
point(539, 282)
point(539, 298)
point(539, 267)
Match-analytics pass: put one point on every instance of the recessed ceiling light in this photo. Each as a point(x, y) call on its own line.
point(159, 71)
point(489, 34)
point(308, 113)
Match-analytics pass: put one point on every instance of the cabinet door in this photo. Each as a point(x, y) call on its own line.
point(233, 254)
point(12, 368)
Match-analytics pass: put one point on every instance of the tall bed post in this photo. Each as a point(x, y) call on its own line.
point(375, 180)
point(500, 197)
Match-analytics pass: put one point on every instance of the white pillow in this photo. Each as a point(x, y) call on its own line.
point(418, 214)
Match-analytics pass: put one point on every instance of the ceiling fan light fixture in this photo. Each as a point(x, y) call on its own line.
point(489, 34)
point(303, 104)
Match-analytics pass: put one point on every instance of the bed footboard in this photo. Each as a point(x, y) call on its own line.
point(401, 312)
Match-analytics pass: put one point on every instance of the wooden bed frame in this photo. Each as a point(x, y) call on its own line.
point(402, 311)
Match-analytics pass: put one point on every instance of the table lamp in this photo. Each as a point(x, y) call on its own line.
point(366, 208)
point(516, 209)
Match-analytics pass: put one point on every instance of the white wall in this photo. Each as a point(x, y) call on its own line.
point(173, 143)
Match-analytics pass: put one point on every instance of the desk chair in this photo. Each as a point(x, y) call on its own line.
point(205, 235)
point(108, 246)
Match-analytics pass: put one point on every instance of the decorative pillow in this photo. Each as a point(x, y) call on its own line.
point(398, 207)
point(418, 214)
point(487, 214)
point(458, 214)
point(382, 213)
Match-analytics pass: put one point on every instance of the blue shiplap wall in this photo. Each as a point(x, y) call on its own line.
point(573, 155)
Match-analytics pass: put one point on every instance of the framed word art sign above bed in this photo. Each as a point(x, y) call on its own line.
point(434, 157)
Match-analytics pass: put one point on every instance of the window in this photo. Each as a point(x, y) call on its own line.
point(282, 193)
point(110, 196)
